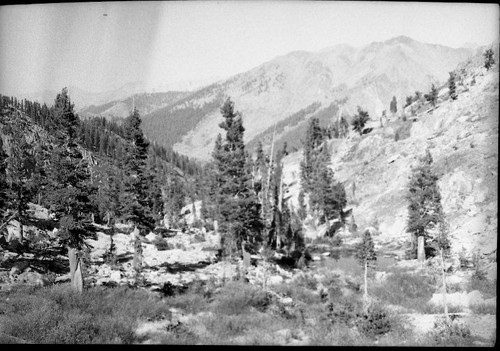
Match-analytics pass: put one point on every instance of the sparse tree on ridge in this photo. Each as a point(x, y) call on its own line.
point(432, 96)
point(452, 86)
point(359, 121)
point(393, 106)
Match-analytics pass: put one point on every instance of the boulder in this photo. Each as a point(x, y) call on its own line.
point(33, 278)
point(116, 276)
point(275, 280)
point(18, 268)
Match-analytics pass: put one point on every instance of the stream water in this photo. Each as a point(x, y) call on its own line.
point(345, 260)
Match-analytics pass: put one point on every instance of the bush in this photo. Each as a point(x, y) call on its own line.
point(306, 280)
point(199, 238)
point(447, 332)
point(374, 323)
point(58, 315)
point(237, 298)
point(406, 289)
point(344, 311)
point(483, 308)
point(161, 244)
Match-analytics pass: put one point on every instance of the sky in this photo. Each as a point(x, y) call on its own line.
point(100, 46)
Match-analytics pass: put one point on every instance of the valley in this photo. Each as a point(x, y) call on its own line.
point(196, 222)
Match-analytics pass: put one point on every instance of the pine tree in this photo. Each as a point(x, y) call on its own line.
point(452, 86)
point(135, 206)
point(409, 101)
point(68, 190)
point(314, 139)
point(302, 212)
point(23, 166)
point(329, 196)
point(239, 209)
point(359, 121)
point(489, 61)
point(366, 256)
point(393, 106)
point(4, 188)
point(432, 96)
point(425, 213)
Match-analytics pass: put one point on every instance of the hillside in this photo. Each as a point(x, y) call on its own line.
point(369, 76)
point(463, 139)
point(145, 103)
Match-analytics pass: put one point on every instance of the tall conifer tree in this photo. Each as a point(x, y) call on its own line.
point(239, 209)
point(69, 189)
point(135, 206)
point(425, 212)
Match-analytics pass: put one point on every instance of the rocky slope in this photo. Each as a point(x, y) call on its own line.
point(462, 136)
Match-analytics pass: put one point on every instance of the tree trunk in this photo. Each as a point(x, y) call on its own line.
point(420, 250)
point(137, 250)
point(75, 270)
point(365, 295)
point(444, 284)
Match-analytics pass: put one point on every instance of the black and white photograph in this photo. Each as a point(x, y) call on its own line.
point(249, 173)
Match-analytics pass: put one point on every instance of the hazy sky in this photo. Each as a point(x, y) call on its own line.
point(49, 46)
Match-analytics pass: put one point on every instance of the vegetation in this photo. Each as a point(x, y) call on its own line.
point(359, 121)
point(452, 86)
point(425, 213)
point(238, 208)
point(94, 175)
point(327, 197)
point(489, 60)
point(365, 253)
point(393, 106)
point(431, 97)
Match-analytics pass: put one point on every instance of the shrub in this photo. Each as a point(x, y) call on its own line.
point(306, 280)
point(375, 322)
point(199, 238)
point(237, 298)
point(161, 244)
point(406, 289)
point(58, 315)
point(483, 308)
point(450, 333)
point(344, 311)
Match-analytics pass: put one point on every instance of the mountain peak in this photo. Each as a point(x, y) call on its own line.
point(402, 39)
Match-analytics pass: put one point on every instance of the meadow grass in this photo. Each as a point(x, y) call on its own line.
point(58, 315)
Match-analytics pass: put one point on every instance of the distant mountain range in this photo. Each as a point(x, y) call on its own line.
point(285, 92)
point(277, 90)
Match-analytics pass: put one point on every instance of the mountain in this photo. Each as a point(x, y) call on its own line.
point(83, 98)
point(145, 103)
point(367, 76)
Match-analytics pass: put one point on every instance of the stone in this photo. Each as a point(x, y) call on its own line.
point(18, 268)
point(33, 278)
point(275, 279)
point(116, 276)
